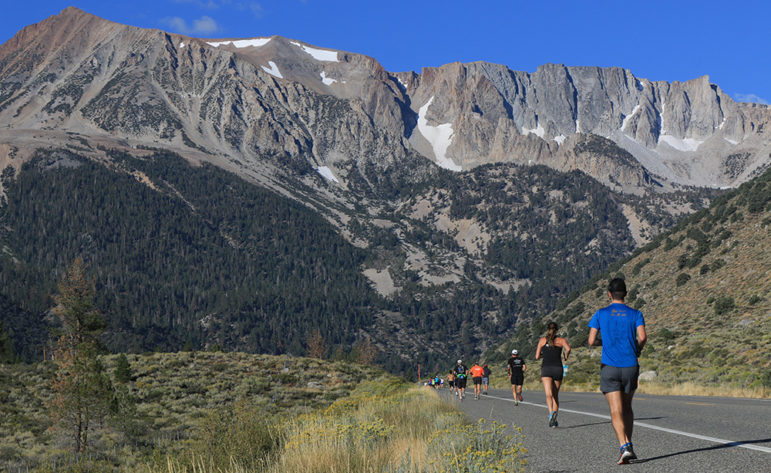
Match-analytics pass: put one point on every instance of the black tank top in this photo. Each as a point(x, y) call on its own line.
point(552, 355)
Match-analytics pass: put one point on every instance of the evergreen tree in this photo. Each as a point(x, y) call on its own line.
point(7, 354)
point(122, 369)
point(82, 391)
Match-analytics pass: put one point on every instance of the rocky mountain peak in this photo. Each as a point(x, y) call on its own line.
point(75, 72)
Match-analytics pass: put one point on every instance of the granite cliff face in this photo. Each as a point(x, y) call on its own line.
point(242, 100)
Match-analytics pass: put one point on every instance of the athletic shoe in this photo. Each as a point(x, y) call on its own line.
point(553, 419)
point(485, 393)
point(516, 403)
point(626, 454)
point(520, 398)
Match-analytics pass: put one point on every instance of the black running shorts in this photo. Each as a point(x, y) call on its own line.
point(618, 379)
point(518, 379)
point(553, 372)
point(477, 379)
point(461, 383)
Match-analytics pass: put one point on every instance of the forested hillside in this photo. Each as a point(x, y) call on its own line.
point(180, 255)
point(193, 255)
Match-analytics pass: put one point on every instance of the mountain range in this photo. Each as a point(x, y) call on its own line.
point(427, 207)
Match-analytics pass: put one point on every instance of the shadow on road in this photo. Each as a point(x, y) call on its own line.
point(705, 449)
point(607, 422)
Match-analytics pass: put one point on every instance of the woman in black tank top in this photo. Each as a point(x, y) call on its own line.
point(550, 348)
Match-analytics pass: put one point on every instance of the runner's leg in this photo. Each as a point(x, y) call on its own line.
point(548, 386)
point(628, 414)
point(556, 395)
point(616, 405)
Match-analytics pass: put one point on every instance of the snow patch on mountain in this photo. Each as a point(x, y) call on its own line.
point(327, 80)
point(273, 70)
point(629, 117)
point(326, 173)
point(559, 139)
point(241, 43)
point(181, 44)
point(538, 131)
point(318, 54)
point(680, 144)
point(439, 137)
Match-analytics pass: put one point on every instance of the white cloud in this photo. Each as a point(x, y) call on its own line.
point(256, 10)
point(203, 25)
point(751, 98)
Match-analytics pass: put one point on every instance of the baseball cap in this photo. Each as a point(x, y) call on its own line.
point(514, 352)
point(459, 362)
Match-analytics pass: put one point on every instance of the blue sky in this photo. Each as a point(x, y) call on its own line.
point(658, 40)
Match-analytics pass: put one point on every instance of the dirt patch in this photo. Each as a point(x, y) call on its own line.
point(382, 281)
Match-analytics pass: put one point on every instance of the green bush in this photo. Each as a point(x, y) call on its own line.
point(724, 305)
point(682, 278)
point(717, 264)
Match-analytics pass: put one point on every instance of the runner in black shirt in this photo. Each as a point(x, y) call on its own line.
point(461, 372)
point(516, 370)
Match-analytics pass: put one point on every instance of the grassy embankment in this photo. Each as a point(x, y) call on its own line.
point(234, 412)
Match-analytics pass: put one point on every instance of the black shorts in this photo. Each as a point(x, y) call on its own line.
point(451, 383)
point(518, 379)
point(461, 383)
point(477, 379)
point(553, 372)
point(613, 378)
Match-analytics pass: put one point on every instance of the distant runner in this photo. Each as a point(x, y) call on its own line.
point(451, 382)
point(476, 375)
point(516, 370)
point(460, 378)
point(485, 378)
point(623, 338)
point(550, 348)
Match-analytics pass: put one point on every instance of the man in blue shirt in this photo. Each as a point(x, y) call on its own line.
point(623, 337)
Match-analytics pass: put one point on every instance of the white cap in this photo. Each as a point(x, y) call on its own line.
point(459, 362)
point(514, 352)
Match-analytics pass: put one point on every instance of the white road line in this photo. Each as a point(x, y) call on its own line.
point(732, 443)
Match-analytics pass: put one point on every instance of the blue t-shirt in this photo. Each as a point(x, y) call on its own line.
point(618, 325)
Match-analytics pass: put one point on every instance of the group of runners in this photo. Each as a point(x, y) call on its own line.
point(457, 379)
point(623, 337)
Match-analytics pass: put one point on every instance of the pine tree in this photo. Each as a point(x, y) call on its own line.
point(7, 354)
point(316, 345)
point(82, 390)
point(122, 369)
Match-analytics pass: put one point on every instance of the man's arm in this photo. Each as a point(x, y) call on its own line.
point(593, 336)
point(524, 367)
point(642, 337)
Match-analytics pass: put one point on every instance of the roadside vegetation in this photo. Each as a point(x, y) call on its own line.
point(236, 412)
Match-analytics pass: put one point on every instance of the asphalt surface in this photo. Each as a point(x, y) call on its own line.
point(672, 433)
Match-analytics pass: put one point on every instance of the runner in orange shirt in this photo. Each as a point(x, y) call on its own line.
point(476, 375)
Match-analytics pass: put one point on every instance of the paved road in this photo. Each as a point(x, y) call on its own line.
point(672, 433)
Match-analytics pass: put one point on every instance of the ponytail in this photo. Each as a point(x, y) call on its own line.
point(551, 333)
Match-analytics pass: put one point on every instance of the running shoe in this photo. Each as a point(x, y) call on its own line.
point(553, 419)
point(627, 454)
point(520, 398)
point(516, 403)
